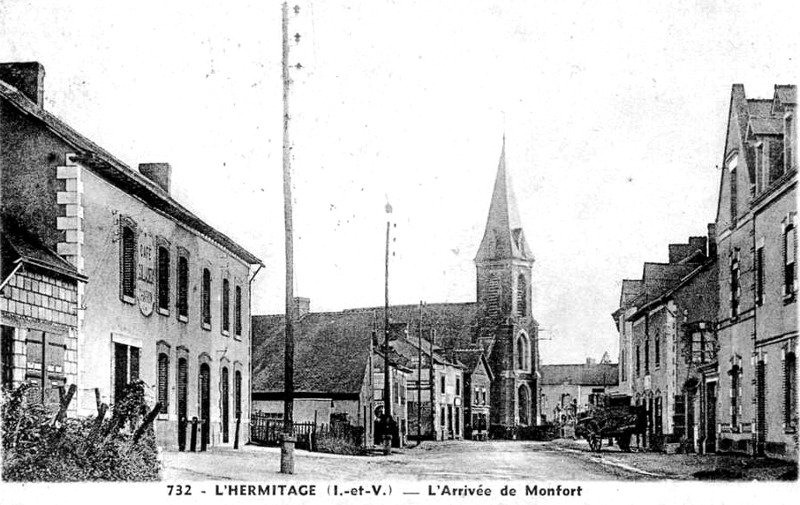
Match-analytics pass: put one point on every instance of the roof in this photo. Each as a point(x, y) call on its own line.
point(672, 287)
point(766, 126)
point(472, 358)
point(597, 374)
point(114, 170)
point(331, 352)
point(503, 237)
point(18, 246)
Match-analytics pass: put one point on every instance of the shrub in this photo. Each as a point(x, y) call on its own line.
point(39, 447)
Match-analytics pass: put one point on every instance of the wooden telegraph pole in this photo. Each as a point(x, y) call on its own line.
point(387, 394)
point(419, 376)
point(288, 440)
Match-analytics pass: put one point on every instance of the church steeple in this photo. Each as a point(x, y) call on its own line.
point(503, 237)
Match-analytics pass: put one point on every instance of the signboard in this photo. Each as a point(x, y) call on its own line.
point(146, 273)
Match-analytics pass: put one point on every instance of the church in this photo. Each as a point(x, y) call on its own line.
point(497, 329)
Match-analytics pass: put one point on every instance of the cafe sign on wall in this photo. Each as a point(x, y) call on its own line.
point(146, 273)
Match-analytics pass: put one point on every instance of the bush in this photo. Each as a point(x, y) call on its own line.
point(39, 447)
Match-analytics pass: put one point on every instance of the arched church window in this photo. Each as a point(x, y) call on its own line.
point(524, 402)
point(523, 352)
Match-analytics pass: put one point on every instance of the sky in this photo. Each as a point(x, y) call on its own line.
point(614, 115)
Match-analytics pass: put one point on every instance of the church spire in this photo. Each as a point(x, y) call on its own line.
point(503, 238)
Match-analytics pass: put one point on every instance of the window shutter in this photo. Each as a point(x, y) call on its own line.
point(134, 364)
point(120, 370)
point(238, 310)
point(163, 278)
point(128, 261)
point(163, 382)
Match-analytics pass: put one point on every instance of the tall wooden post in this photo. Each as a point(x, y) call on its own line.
point(387, 394)
point(287, 440)
point(419, 377)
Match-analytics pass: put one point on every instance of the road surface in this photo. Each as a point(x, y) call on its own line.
point(447, 460)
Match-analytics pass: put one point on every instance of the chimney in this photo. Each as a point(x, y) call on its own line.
point(160, 173)
point(302, 306)
point(712, 240)
point(590, 362)
point(27, 77)
point(698, 244)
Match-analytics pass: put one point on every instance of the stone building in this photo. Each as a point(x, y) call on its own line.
point(166, 296)
point(661, 317)
point(757, 319)
point(579, 384)
point(477, 386)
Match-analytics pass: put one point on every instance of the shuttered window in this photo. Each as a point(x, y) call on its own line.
point(790, 391)
point(45, 366)
point(183, 388)
point(7, 355)
point(163, 278)
point(225, 393)
point(183, 287)
point(759, 260)
point(128, 261)
point(226, 305)
point(163, 382)
point(789, 256)
point(206, 297)
point(735, 286)
point(237, 309)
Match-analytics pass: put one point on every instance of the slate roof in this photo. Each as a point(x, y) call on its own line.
point(766, 126)
point(19, 246)
point(331, 352)
point(596, 374)
point(471, 358)
point(786, 93)
point(117, 172)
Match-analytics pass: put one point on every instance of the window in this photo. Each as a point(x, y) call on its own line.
point(523, 352)
point(183, 287)
point(443, 418)
point(761, 176)
point(638, 361)
point(659, 416)
point(205, 309)
point(477, 398)
point(733, 162)
point(788, 140)
point(163, 279)
point(237, 390)
point(657, 350)
point(127, 260)
point(736, 291)
point(163, 381)
point(45, 370)
point(789, 256)
point(126, 367)
point(759, 260)
point(458, 386)
point(226, 304)
point(441, 382)
point(7, 356)
point(647, 357)
point(522, 296)
point(237, 311)
point(483, 392)
point(790, 391)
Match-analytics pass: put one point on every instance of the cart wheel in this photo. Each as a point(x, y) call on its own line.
point(624, 442)
point(595, 442)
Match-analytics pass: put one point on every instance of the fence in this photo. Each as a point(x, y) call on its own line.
point(267, 430)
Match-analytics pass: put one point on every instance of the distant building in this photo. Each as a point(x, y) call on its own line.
point(757, 319)
point(153, 292)
point(478, 378)
point(575, 384)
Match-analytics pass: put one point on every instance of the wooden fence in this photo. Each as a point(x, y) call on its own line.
point(266, 430)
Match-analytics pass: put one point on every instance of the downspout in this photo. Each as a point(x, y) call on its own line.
point(250, 350)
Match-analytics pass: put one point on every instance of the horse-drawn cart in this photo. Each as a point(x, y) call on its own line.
point(613, 417)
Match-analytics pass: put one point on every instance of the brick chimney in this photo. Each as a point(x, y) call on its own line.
point(302, 306)
point(160, 173)
point(27, 77)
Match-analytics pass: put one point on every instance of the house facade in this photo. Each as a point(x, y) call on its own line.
point(166, 298)
point(757, 318)
point(566, 386)
point(477, 386)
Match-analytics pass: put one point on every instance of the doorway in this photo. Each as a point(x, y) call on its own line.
point(711, 417)
point(183, 401)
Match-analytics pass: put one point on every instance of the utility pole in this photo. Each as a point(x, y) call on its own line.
point(288, 439)
point(419, 376)
point(387, 394)
point(432, 381)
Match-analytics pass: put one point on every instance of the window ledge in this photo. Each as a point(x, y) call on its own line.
point(162, 416)
point(225, 333)
point(128, 299)
point(163, 312)
point(790, 298)
point(237, 337)
point(206, 326)
point(183, 319)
